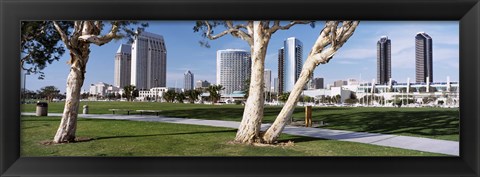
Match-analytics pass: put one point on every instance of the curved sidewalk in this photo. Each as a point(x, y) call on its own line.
point(397, 141)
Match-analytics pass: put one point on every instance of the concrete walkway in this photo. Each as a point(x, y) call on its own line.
point(404, 142)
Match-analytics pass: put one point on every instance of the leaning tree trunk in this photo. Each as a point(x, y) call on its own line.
point(284, 116)
point(249, 129)
point(68, 125)
point(330, 40)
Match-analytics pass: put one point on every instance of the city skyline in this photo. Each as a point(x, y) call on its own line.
point(356, 59)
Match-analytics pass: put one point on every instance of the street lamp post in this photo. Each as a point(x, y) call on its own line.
point(24, 85)
point(156, 91)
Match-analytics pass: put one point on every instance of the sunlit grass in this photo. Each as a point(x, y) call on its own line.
point(133, 138)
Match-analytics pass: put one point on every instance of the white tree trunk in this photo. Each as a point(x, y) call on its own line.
point(249, 129)
point(285, 115)
point(68, 125)
point(331, 39)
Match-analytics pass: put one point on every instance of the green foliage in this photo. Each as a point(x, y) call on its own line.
point(429, 99)
point(169, 96)
point(214, 91)
point(284, 97)
point(39, 42)
point(238, 102)
point(179, 97)
point(306, 99)
point(192, 95)
point(370, 99)
point(48, 92)
point(128, 91)
point(351, 101)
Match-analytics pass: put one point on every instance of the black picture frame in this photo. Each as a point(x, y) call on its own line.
point(13, 11)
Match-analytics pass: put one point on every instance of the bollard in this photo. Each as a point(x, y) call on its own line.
point(85, 109)
point(308, 116)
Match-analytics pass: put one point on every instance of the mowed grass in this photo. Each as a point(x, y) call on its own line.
point(437, 123)
point(132, 138)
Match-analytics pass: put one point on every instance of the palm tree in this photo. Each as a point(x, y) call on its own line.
point(192, 95)
point(169, 96)
point(284, 97)
point(180, 97)
point(214, 91)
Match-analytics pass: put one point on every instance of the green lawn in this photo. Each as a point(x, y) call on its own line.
point(132, 138)
point(437, 123)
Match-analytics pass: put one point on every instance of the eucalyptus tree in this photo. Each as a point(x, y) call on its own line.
point(332, 37)
point(257, 34)
point(77, 36)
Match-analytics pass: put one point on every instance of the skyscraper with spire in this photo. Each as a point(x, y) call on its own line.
point(123, 64)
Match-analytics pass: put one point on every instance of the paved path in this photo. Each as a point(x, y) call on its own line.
point(404, 142)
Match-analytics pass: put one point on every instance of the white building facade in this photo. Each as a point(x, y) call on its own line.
point(149, 61)
point(155, 93)
point(267, 76)
point(233, 69)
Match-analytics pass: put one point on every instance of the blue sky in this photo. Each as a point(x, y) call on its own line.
point(356, 59)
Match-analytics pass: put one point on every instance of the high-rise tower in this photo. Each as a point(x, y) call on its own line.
point(423, 58)
point(267, 76)
point(188, 80)
point(149, 60)
point(123, 64)
point(384, 60)
point(233, 69)
point(289, 64)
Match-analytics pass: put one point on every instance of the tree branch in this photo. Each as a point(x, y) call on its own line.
point(233, 30)
point(276, 26)
point(100, 40)
point(209, 32)
point(63, 35)
point(333, 36)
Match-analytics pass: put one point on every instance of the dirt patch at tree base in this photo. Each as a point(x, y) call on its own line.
point(276, 144)
point(77, 140)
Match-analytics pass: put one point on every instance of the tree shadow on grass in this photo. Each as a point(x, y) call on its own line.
point(162, 134)
point(230, 114)
point(422, 123)
point(87, 139)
